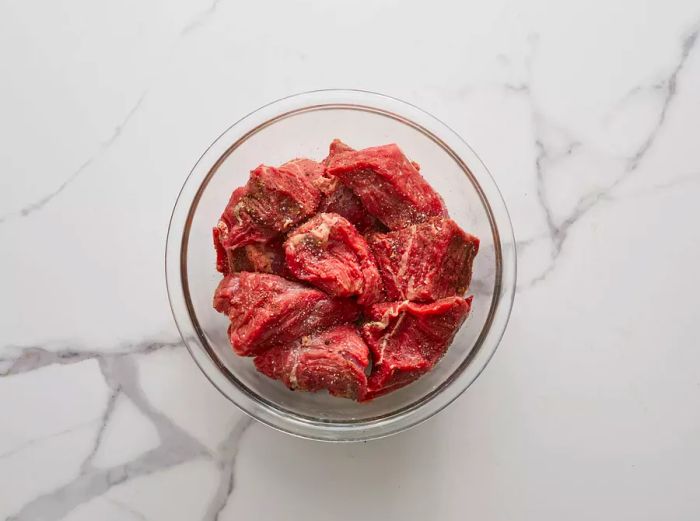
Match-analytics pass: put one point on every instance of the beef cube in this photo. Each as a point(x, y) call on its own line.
point(407, 339)
point(267, 310)
point(272, 202)
point(307, 168)
point(336, 147)
point(266, 257)
point(236, 228)
point(278, 198)
point(340, 199)
point(328, 252)
point(425, 262)
point(335, 360)
point(388, 184)
point(344, 202)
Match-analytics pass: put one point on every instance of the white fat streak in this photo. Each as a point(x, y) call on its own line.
point(388, 336)
point(321, 232)
point(403, 265)
point(295, 364)
point(237, 211)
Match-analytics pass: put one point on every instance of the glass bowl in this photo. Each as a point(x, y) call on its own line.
point(303, 125)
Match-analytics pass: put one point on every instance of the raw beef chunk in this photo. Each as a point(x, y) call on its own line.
point(328, 252)
point(273, 201)
point(343, 201)
point(335, 360)
point(340, 199)
point(266, 310)
point(407, 339)
point(303, 167)
point(266, 257)
point(389, 186)
point(336, 147)
point(426, 261)
point(236, 228)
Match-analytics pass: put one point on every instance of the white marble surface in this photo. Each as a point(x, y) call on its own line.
point(588, 115)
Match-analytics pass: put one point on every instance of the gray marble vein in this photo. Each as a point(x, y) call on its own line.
point(201, 18)
point(127, 508)
point(676, 182)
point(668, 87)
point(40, 439)
point(21, 359)
point(558, 230)
point(176, 447)
point(106, 417)
point(40, 203)
point(226, 462)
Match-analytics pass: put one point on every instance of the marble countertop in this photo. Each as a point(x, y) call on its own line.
point(588, 116)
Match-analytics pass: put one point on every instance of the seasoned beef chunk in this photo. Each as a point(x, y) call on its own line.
point(407, 339)
point(425, 262)
point(343, 201)
point(340, 199)
point(272, 202)
point(307, 168)
point(236, 228)
point(335, 360)
point(388, 184)
point(265, 257)
point(329, 253)
point(267, 310)
point(336, 147)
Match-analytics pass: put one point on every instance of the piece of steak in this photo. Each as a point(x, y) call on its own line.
point(272, 202)
point(336, 147)
point(329, 253)
point(340, 199)
point(308, 168)
point(407, 339)
point(265, 257)
point(267, 310)
point(343, 201)
point(388, 184)
point(334, 359)
point(236, 229)
point(425, 262)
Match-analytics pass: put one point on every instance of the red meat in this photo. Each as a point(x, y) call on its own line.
point(222, 264)
point(328, 252)
point(343, 201)
point(389, 186)
point(336, 147)
point(339, 199)
point(307, 219)
point(307, 168)
point(425, 262)
point(407, 339)
point(266, 257)
point(335, 360)
point(236, 228)
point(273, 201)
point(267, 310)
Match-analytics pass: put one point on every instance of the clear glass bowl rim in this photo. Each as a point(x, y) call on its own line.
point(504, 242)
